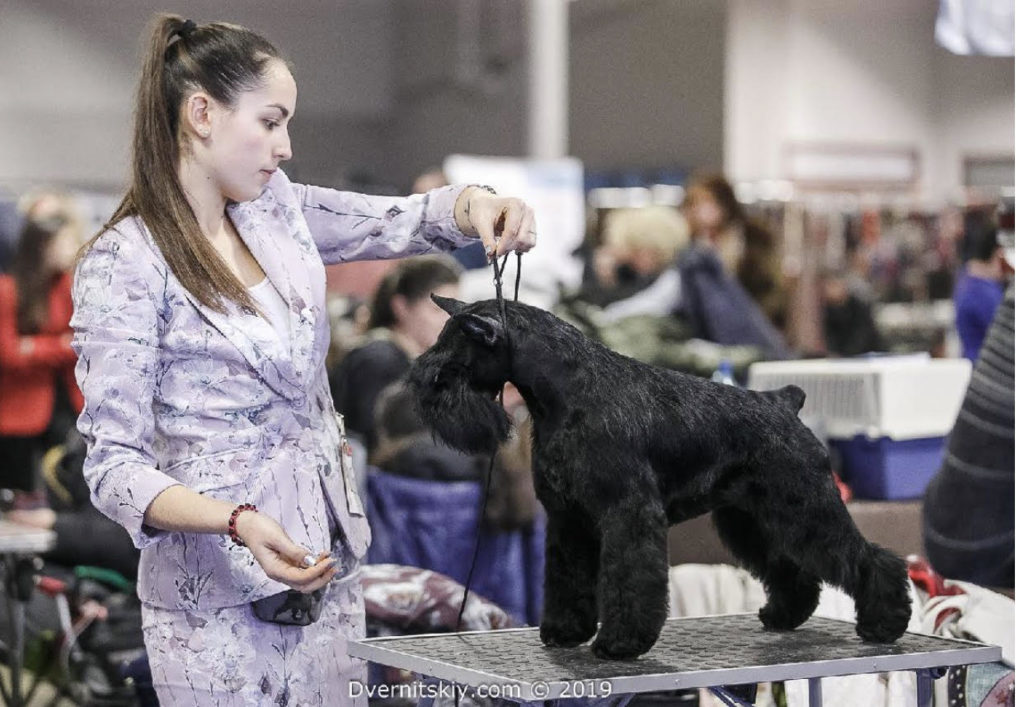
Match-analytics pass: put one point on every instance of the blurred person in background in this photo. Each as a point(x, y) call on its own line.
point(403, 323)
point(406, 447)
point(746, 249)
point(690, 282)
point(469, 257)
point(83, 535)
point(424, 498)
point(201, 329)
point(850, 328)
point(979, 289)
point(43, 203)
point(637, 246)
point(968, 511)
point(433, 178)
point(39, 398)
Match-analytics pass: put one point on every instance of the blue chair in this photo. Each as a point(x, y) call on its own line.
point(433, 525)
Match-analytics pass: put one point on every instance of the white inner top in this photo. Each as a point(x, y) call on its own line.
point(273, 306)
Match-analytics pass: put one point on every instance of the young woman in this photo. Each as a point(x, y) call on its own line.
point(201, 332)
point(38, 395)
point(747, 250)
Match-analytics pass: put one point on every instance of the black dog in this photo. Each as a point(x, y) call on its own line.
point(622, 450)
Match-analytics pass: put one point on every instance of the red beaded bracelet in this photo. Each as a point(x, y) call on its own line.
point(233, 521)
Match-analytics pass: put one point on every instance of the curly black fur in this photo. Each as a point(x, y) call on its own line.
point(622, 450)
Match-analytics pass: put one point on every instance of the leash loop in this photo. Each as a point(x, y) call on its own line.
point(499, 295)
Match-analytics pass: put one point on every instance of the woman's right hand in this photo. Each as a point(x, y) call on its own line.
point(281, 558)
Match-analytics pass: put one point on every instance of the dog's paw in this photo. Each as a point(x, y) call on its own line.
point(565, 634)
point(883, 631)
point(882, 597)
point(782, 618)
point(622, 646)
point(884, 621)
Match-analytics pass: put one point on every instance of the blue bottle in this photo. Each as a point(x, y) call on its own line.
point(724, 373)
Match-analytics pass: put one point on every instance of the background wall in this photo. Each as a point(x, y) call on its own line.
point(862, 73)
point(68, 71)
point(386, 89)
point(646, 82)
point(389, 87)
point(460, 85)
point(973, 98)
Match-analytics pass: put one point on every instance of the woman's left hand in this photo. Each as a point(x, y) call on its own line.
point(487, 215)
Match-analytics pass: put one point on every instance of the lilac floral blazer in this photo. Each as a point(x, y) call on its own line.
point(176, 393)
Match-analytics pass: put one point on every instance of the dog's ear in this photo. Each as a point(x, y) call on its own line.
point(480, 329)
point(448, 304)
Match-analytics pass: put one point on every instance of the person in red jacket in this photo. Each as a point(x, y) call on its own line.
point(39, 398)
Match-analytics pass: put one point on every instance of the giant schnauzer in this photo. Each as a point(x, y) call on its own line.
point(622, 450)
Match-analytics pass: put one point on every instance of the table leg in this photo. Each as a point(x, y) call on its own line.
point(18, 583)
point(926, 683)
point(726, 696)
point(814, 692)
point(16, 616)
point(17, 651)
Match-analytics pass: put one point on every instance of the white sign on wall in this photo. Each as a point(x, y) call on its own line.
point(554, 189)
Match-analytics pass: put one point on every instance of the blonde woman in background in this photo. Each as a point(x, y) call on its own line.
point(643, 240)
point(689, 281)
point(640, 246)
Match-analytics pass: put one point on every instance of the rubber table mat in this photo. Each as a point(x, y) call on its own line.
point(692, 652)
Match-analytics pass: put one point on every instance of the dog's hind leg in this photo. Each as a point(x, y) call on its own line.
point(570, 580)
point(792, 591)
point(826, 542)
point(634, 578)
point(881, 595)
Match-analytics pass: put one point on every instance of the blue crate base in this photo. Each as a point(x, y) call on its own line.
point(888, 470)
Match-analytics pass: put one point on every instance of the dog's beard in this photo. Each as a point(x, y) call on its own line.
point(464, 418)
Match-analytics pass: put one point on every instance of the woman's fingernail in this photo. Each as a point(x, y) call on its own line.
point(309, 560)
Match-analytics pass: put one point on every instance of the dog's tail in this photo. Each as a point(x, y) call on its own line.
point(793, 396)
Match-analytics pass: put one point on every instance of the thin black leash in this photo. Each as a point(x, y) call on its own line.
point(498, 272)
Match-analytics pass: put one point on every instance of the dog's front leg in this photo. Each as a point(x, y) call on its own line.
point(633, 582)
point(570, 579)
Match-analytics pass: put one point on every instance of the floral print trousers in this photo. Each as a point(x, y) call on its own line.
point(229, 657)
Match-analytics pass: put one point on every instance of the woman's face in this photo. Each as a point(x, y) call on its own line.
point(60, 253)
point(421, 320)
point(703, 212)
point(248, 142)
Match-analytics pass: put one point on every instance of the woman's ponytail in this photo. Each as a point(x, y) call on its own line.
point(217, 58)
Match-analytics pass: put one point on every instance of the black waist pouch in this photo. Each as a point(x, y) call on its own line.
point(291, 607)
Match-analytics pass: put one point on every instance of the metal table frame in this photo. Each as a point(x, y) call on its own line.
point(473, 658)
point(18, 547)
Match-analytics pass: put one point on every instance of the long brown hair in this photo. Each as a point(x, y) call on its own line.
point(32, 279)
point(721, 191)
point(759, 270)
point(223, 60)
point(414, 279)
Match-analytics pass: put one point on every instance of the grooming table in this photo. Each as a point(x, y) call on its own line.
point(709, 652)
point(18, 546)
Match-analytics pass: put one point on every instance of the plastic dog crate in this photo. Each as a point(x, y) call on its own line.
point(890, 469)
point(887, 416)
